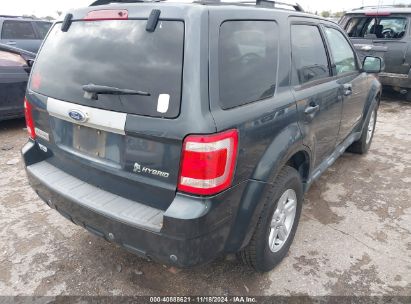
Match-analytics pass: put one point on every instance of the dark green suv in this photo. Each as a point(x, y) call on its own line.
point(184, 131)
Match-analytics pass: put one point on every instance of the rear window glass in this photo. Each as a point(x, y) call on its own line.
point(119, 54)
point(42, 28)
point(377, 27)
point(17, 30)
point(247, 61)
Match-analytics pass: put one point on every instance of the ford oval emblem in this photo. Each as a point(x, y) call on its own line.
point(78, 115)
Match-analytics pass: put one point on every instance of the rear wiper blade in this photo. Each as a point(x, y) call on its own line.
point(93, 90)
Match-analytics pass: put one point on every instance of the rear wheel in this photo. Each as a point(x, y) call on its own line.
point(408, 95)
point(363, 144)
point(277, 224)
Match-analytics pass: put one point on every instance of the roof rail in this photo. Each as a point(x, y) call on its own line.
point(263, 3)
point(271, 3)
point(10, 16)
point(104, 2)
point(374, 6)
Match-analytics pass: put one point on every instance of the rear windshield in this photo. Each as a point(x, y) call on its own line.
point(377, 27)
point(119, 54)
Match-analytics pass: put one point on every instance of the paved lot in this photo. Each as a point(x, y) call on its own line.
point(354, 237)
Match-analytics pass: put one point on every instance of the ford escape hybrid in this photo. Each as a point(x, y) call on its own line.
point(184, 131)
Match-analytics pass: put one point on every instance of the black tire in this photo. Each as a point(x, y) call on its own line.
point(362, 146)
point(257, 253)
point(408, 95)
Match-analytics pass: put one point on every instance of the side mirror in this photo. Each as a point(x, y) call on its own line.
point(373, 64)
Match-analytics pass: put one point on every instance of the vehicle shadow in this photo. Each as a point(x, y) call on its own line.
point(106, 267)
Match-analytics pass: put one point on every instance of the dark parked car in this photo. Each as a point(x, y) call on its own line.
point(23, 33)
point(385, 32)
point(183, 131)
point(15, 68)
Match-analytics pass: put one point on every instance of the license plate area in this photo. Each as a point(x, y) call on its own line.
point(92, 143)
point(89, 141)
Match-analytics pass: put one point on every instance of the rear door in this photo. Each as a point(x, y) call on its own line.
point(316, 92)
point(347, 73)
point(381, 34)
point(20, 34)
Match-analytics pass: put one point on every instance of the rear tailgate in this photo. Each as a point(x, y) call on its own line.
point(91, 138)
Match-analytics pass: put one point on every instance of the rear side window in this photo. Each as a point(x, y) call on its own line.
point(42, 28)
point(247, 61)
point(309, 58)
point(119, 54)
point(377, 27)
point(342, 53)
point(17, 30)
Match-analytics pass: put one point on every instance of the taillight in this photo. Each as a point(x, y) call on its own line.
point(29, 119)
point(377, 13)
point(208, 162)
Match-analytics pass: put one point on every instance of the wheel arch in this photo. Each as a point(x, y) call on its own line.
point(374, 95)
point(301, 162)
point(286, 147)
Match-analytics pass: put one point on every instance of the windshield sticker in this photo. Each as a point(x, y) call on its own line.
point(163, 102)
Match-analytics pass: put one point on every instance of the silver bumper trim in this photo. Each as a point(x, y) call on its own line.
point(96, 199)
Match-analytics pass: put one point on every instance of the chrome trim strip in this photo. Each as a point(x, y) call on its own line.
point(96, 118)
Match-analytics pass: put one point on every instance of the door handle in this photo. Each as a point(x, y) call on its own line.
point(11, 42)
point(347, 89)
point(312, 108)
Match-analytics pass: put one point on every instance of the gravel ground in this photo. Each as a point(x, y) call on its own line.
point(354, 237)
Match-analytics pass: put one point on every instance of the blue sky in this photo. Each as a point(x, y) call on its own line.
point(49, 7)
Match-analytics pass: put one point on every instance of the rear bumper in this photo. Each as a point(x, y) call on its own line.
point(395, 80)
point(191, 231)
